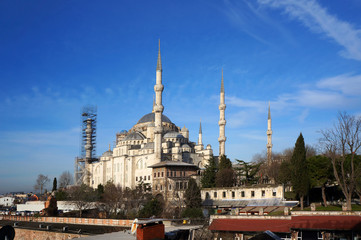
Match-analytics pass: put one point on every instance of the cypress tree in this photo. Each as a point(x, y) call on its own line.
point(208, 179)
point(299, 174)
point(55, 185)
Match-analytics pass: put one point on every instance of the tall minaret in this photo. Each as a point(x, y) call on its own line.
point(200, 134)
point(222, 121)
point(269, 136)
point(158, 109)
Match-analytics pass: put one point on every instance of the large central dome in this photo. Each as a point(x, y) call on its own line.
point(150, 117)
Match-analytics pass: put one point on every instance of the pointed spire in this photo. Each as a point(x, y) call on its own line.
point(159, 62)
point(153, 104)
point(200, 126)
point(222, 84)
point(269, 110)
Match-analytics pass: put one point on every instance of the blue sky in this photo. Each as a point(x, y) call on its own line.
point(57, 56)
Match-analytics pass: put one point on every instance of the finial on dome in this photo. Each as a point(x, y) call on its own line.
point(159, 62)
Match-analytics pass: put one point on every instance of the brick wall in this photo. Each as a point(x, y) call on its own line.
point(85, 221)
point(25, 234)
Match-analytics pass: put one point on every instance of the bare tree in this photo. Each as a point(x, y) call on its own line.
point(65, 179)
point(41, 182)
point(341, 143)
point(113, 198)
point(82, 196)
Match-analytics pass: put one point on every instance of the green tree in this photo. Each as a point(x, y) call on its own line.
point(341, 143)
point(208, 179)
point(299, 174)
point(224, 163)
point(284, 175)
point(320, 173)
point(151, 208)
point(248, 172)
point(225, 176)
point(192, 200)
point(192, 195)
point(61, 195)
point(55, 185)
point(100, 192)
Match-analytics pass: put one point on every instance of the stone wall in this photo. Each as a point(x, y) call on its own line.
point(26, 234)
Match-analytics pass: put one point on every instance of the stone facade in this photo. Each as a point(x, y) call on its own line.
point(244, 193)
point(152, 140)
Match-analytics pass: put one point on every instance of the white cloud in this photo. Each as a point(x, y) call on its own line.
point(347, 84)
point(318, 20)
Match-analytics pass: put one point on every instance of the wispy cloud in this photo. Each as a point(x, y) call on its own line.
point(319, 20)
point(346, 83)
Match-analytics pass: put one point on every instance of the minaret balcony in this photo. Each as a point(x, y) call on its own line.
point(158, 108)
point(222, 122)
point(158, 87)
point(222, 139)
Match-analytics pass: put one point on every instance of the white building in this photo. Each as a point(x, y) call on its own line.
point(7, 201)
point(153, 139)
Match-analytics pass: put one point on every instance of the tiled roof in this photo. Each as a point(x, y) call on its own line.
point(285, 225)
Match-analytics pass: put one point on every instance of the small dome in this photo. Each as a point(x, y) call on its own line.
point(123, 132)
point(134, 136)
point(108, 153)
point(150, 117)
point(173, 135)
point(186, 146)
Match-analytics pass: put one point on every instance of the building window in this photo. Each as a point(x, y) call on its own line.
point(170, 187)
point(158, 174)
point(207, 195)
point(177, 185)
point(242, 194)
point(161, 187)
point(149, 177)
point(181, 185)
point(252, 193)
point(184, 173)
point(155, 174)
point(162, 174)
point(274, 193)
point(233, 194)
point(167, 174)
point(145, 178)
point(215, 194)
point(185, 185)
point(140, 178)
point(136, 179)
point(175, 173)
point(171, 174)
point(224, 194)
point(156, 187)
point(263, 193)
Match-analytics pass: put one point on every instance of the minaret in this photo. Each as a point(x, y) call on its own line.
point(88, 150)
point(200, 134)
point(158, 110)
point(269, 136)
point(222, 121)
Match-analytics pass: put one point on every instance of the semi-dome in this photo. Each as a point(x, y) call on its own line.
point(173, 135)
point(150, 117)
point(134, 136)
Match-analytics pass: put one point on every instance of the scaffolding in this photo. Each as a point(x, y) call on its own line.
point(88, 145)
